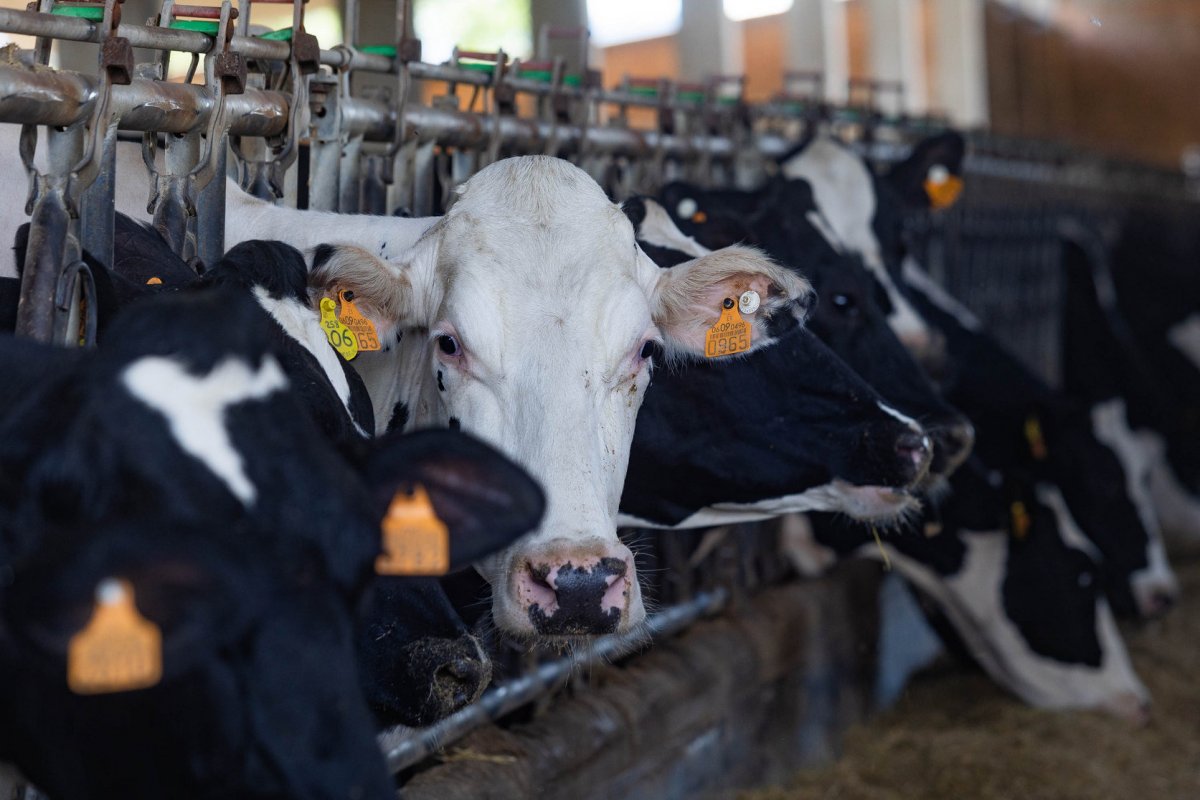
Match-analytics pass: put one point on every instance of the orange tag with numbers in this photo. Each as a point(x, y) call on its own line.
point(1037, 442)
point(1020, 519)
point(338, 334)
point(119, 650)
point(942, 188)
point(730, 335)
point(362, 328)
point(415, 541)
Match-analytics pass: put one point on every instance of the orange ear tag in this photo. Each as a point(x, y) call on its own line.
point(942, 188)
point(362, 328)
point(1020, 519)
point(730, 335)
point(415, 541)
point(338, 334)
point(1037, 442)
point(119, 650)
point(155, 281)
point(699, 218)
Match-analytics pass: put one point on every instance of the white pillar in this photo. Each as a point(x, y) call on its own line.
point(898, 52)
point(835, 49)
point(709, 42)
point(960, 39)
point(804, 36)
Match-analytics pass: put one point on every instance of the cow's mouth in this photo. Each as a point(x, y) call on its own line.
point(883, 504)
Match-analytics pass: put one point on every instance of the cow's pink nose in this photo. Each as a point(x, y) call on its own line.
point(575, 597)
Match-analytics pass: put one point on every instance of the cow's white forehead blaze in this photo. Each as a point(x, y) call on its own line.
point(845, 195)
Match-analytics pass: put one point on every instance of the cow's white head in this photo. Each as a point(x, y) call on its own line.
point(536, 320)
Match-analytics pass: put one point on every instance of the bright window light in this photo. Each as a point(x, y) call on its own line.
point(749, 9)
point(619, 21)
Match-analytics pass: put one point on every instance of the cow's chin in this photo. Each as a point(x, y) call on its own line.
point(878, 504)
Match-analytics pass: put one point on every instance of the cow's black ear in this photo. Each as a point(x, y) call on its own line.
point(484, 499)
point(931, 177)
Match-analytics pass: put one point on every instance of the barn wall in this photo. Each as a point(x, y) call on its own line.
point(1114, 75)
point(740, 700)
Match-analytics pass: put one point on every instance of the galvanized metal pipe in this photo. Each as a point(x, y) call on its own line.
point(500, 700)
point(46, 97)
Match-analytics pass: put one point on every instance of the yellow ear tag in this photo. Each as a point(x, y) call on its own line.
point(119, 650)
point(362, 328)
point(730, 335)
point(155, 281)
point(942, 188)
point(1020, 519)
point(1033, 435)
point(338, 334)
point(415, 541)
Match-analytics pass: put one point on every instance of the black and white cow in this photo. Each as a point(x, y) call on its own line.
point(861, 214)
point(782, 218)
point(1136, 412)
point(1023, 425)
point(258, 455)
point(1012, 579)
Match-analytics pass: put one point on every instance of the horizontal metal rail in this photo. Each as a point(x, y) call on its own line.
point(50, 97)
point(500, 700)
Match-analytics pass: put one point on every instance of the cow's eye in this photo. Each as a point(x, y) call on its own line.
point(845, 303)
point(448, 345)
point(650, 349)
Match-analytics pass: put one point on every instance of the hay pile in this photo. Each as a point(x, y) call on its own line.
point(958, 736)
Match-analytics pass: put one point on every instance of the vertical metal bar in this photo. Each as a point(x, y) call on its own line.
point(210, 212)
point(97, 212)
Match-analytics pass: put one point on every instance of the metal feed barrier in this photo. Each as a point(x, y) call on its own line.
point(287, 118)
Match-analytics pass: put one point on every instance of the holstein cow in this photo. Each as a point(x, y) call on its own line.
point(782, 218)
point(1013, 579)
point(822, 420)
point(863, 214)
point(209, 441)
point(529, 316)
point(1023, 425)
point(409, 634)
point(1135, 412)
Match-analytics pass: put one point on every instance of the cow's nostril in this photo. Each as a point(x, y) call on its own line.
point(913, 446)
point(1162, 602)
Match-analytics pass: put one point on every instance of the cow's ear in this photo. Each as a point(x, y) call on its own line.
point(689, 299)
point(931, 177)
point(484, 499)
point(382, 291)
